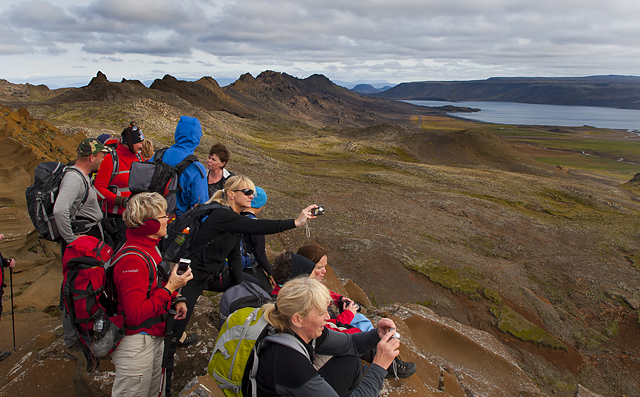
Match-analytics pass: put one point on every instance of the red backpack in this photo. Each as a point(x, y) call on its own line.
point(93, 314)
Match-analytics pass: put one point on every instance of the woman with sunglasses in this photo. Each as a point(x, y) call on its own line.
point(219, 266)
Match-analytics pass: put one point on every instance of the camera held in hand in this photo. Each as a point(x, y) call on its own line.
point(317, 211)
point(183, 266)
point(346, 304)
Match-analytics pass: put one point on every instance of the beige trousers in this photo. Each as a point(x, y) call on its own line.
point(138, 362)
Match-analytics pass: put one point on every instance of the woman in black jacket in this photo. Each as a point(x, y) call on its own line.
point(301, 313)
point(219, 266)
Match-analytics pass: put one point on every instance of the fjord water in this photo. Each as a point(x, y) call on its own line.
point(533, 114)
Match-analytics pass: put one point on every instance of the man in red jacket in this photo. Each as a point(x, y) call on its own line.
point(112, 180)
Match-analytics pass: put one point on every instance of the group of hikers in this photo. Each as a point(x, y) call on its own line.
point(94, 199)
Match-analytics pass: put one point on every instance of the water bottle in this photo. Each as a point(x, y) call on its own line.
point(182, 237)
point(98, 325)
point(173, 250)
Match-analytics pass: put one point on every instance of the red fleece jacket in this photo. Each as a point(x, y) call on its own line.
point(131, 278)
point(120, 182)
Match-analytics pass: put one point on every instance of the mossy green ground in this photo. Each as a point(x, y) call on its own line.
point(511, 322)
point(443, 275)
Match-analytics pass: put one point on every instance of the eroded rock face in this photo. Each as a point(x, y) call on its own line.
point(25, 143)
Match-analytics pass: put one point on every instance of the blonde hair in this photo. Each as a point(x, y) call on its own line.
point(147, 149)
point(233, 183)
point(143, 206)
point(298, 296)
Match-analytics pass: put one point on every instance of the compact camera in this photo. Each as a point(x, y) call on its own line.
point(183, 265)
point(317, 211)
point(345, 304)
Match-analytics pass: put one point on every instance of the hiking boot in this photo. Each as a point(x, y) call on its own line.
point(188, 339)
point(74, 352)
point(400, 369)
point(4, 355)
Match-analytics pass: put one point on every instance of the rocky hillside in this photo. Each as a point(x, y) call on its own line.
point(607, 91)
point(486, 255)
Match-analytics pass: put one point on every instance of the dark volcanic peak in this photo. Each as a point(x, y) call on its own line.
point(205, 93)
point(314, 98)
point(606, 91)
point(135, 82)
point(99, 89)
point(100, 78)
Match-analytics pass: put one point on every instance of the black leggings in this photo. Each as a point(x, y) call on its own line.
point(342, 373)
point(192, 292)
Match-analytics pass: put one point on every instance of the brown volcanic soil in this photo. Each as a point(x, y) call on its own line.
point(558, 249)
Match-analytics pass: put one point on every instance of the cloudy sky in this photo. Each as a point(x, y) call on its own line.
point(62, 42)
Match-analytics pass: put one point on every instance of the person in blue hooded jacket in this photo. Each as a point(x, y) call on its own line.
point(194, 178)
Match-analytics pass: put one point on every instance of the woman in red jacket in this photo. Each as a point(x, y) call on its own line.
point(144, 301)
point(112, 179)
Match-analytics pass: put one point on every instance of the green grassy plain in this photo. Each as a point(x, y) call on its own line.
point(586, 149)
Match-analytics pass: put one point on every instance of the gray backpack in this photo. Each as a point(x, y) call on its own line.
point(245, 294)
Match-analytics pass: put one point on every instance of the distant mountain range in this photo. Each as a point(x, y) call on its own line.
point(606, 91)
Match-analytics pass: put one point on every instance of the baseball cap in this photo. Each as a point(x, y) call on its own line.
point(90, 146)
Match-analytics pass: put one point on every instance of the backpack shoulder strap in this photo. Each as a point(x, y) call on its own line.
point(283, 339)
point(84, 181)
point(181, 166)
point(160, 153)
point(130, 250)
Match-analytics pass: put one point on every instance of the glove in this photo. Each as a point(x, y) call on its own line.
point(121, 201)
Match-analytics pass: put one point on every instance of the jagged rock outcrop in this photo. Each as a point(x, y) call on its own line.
point(205, 93)
point(100, 78)
point(134, 82)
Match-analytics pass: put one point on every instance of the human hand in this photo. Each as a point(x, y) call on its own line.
point(1, 237)
point(387, 350)
point(181, 311)
point(305, 215)
point(12, 263)
point(385, 326)
point(350, 305)
point(176, 280)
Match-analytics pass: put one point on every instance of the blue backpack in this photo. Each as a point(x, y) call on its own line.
point(248, 258)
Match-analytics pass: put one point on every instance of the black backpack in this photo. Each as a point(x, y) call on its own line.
point(41, 196)
point(182, 232)
point(160, 177)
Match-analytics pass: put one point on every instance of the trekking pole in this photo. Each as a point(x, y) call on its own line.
point(13, 319)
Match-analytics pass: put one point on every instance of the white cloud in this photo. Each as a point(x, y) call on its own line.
point(400, 40)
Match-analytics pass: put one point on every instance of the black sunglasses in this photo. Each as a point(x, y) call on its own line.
point(247, 192)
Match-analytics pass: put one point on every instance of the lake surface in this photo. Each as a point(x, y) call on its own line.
point(531, 114)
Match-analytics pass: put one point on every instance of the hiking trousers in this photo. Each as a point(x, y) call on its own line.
point(138, 362)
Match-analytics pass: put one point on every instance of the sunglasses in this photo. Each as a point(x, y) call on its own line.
point(247, 192)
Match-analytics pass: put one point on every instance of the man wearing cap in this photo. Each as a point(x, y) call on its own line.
point(77, 200)
point(77, 212)
point(112, 180)
point(254, 244)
